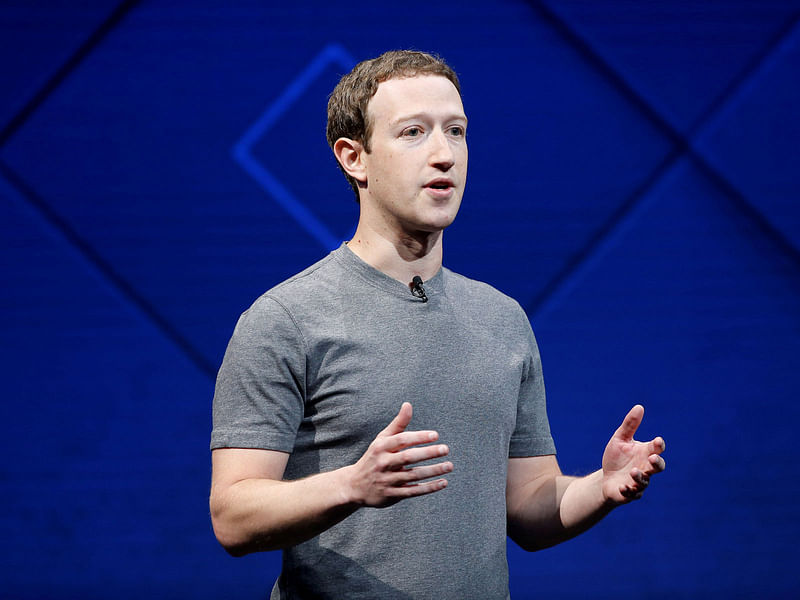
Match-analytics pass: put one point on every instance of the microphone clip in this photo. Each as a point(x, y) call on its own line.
point(417, 290)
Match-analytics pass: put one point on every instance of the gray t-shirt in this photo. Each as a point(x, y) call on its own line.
point(321, 363)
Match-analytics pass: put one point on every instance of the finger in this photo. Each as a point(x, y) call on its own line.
point(634, 490)
point(657, 446)
point(657, 464)
point(641, 480)
point(630, 493)
point(630, 424)
point(400, 422)
point(415, 455)
point(417, 489)
point(410, 476)
point(406, 439)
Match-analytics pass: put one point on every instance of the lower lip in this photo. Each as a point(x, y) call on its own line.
point(440, 194)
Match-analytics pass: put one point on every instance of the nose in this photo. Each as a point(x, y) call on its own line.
point(441, 156)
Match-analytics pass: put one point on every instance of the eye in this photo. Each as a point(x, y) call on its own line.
point(456, 131)
point(412, 132)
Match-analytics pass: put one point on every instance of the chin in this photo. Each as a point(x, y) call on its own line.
point(437, 225)
point(446, 220)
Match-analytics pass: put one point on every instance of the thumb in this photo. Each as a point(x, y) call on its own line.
point(400, 422)
point(630, 424)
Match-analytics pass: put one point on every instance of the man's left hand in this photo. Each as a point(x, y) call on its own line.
point(628, 464)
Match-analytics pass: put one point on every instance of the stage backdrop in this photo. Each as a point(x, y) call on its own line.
point(634, 180)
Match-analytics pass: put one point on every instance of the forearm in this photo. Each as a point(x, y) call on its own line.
point(256, 515)
point(545, 507)
point(583, 503)
point(556, 508)
point(253, 509)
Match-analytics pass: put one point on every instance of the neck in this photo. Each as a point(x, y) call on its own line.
point(401, 256)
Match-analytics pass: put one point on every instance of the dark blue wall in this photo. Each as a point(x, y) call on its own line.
point(634, 183)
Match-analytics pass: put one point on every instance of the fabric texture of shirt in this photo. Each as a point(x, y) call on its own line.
point(321, 363)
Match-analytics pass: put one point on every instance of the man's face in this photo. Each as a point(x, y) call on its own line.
point(417, 166)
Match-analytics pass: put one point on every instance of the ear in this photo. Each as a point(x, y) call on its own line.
point(350, 153)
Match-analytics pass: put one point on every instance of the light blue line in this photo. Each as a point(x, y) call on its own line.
point(333, 53)
point(284, 197)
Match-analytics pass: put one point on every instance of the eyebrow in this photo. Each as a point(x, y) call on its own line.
point(425, 115)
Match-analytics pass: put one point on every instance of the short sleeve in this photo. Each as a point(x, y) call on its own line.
point(531, 435)
point(260, 389)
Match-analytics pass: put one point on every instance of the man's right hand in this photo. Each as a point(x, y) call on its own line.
point(253, 509)
point(385, 474)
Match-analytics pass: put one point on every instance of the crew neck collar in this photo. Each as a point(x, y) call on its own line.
point(379, 279)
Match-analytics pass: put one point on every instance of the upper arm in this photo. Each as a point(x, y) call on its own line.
point(533, 495)
point(525, 475)
point(231, 468)
point(232, 465)
point(260, 389)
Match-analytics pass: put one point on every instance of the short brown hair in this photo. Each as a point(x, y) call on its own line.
point(347, 105)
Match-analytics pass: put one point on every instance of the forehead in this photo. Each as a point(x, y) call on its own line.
point(432, 95)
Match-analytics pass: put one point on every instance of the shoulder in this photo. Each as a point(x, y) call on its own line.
point(480, 294)
point(484, 306)
point(323, 273)
point(295, 300)
point(320, 277)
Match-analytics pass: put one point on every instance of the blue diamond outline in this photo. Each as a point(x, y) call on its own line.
point(241, 151)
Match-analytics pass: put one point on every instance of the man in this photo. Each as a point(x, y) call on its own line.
point(314, 449)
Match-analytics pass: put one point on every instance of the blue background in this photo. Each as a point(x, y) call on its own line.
point(634, 184)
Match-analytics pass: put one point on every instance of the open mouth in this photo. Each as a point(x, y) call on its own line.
point(440, 185)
